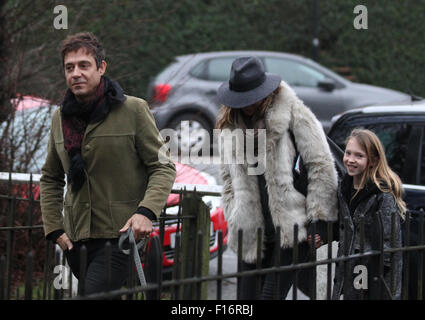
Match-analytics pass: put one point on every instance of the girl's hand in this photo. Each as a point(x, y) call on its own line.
point(317, 241)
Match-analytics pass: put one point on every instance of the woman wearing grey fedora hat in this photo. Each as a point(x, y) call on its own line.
point(254, 99)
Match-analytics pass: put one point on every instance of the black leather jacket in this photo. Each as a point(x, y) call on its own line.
point(376, 209)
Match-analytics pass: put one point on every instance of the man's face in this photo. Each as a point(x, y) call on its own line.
point(82, 75)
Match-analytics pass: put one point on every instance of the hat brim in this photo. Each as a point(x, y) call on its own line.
point(237, 100)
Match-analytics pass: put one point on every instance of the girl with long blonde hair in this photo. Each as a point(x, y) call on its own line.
point(378, 170)
point(368, 188)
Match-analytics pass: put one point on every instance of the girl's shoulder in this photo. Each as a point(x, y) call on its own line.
point(385, 195)
point(386, 200)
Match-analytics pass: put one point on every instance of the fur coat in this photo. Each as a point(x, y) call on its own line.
point(241, 197)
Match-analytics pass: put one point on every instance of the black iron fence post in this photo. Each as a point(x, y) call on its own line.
point(2, 277)
point(198, 266)
point(258, 285)
point(277, 275)
point(47, 270)
point(294, 262)
point(420, 255)
point(362, 241)
point(406, 258)
point(239, 254)
point(377, 262)
point(9, 243)
point(329, 265)
point(313, 273)
point(345, 264)
point(28, 276)
point(393, 244)
point(177, 267)
point(219, 263)
point(56, 290)
point(30, 213)
point(161, 252)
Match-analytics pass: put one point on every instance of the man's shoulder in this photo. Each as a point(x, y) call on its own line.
point(135, 103)
point(56, 114)
point(136, 108)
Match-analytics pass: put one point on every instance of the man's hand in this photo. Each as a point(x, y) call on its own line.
point(141, 225)
point(64, 242)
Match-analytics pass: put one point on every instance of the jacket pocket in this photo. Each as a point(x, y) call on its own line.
point(63, 155)
point(121, 211)
point(68, 222)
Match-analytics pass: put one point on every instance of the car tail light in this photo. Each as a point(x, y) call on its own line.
point(161, 92)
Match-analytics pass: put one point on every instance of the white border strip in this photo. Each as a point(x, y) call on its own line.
point(210, 189)
point(214, 190)
point(19, 177)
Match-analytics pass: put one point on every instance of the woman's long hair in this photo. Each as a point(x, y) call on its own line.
point(377, 169)
point(226, 115)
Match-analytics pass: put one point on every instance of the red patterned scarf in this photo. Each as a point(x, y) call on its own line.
point(77, 116)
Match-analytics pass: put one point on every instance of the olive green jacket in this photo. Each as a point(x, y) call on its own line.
point(126, 164)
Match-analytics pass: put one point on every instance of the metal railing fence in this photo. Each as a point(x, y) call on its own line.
point(191, 256)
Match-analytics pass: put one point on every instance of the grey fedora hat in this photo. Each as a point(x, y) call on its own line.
point(248, 83)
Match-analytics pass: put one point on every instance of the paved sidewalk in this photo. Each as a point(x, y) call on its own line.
point(230, 266)
point(228, 291)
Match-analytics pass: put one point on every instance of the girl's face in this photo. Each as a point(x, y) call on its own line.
point(355, 159)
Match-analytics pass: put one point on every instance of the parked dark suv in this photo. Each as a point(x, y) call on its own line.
point(401, 129)
point(186, 90)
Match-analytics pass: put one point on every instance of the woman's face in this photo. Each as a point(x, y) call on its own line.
point(250, 110)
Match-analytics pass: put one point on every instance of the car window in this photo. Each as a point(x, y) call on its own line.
point(294, 73)
point(219, 69)
point(394, 138)
point(198, 71)
point(169, 72)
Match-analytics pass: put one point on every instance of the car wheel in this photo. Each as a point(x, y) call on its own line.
point(193, 134)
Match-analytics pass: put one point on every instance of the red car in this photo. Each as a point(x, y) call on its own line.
point(189, 175)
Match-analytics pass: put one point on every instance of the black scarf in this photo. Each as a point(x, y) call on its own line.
point(77, 116)
point(348, 191)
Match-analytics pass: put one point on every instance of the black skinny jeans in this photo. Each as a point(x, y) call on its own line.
point(96, 278)
point(268, 281)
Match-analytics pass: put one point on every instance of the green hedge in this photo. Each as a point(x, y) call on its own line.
point(142, 37)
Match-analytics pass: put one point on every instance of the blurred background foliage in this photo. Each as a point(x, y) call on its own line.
point(142, 37)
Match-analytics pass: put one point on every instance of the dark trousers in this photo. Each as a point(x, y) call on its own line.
point(267, 288)
point(96, 277)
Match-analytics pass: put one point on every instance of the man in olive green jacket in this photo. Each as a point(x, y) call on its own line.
point(109, 147)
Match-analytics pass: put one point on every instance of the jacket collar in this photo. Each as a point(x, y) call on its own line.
point(346, 188)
